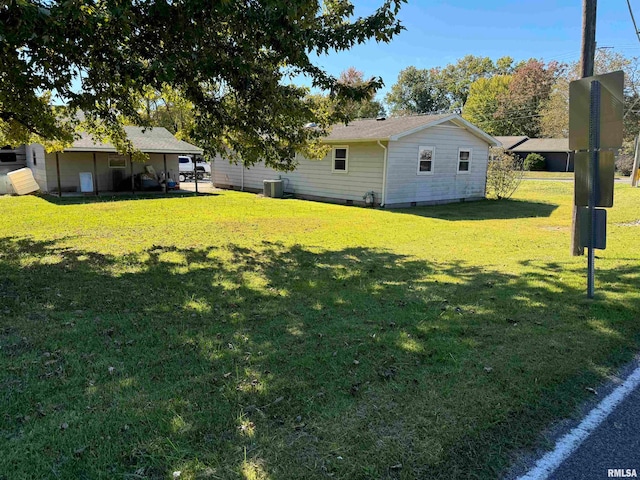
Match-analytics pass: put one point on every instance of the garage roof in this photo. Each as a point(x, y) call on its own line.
point(151, 140)
point(543, 145)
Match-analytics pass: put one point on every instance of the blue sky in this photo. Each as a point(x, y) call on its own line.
point(439, 32)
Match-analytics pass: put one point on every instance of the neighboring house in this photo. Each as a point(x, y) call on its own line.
point(108, 170)
point(401, 161)
point(558, 157)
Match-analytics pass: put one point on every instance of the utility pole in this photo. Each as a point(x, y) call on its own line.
point(587, 60)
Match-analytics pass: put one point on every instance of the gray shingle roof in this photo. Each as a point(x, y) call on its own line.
point(393, 128)
point(372, 129)
point(543, 145)
point(151, 140)
point(508, 142)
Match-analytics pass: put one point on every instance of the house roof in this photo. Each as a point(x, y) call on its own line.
point(151, 140)
point(508, 142)
point(394, 128)
point(543, 145)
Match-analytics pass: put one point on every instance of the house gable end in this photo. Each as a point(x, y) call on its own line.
point(452, 120)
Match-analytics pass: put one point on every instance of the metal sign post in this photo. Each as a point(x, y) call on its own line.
point(594, 150)
point(595, 131)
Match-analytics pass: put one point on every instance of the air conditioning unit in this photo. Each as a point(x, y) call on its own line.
point(273, 188)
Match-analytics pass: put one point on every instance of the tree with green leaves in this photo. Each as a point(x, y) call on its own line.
point(458, 77)
point(418, 91)
point(486, 97)
point(529, 90)
point(443, 89)
point(349, 109)
point(511, 104)
point(168, 109)
point(233, 61)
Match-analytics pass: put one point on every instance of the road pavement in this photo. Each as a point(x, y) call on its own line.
point(603, 443)
point(612, 448)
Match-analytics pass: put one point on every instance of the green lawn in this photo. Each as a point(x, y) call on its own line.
point(548, 175)
point(232, 336)
point(532, 175)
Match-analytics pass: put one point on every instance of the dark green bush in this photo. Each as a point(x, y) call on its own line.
point(534, 162)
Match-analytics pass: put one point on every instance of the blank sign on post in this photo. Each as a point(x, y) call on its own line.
point(604, 195)
point(600, 238)
point(611, 110)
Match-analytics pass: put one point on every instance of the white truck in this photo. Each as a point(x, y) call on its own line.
point(186, 168)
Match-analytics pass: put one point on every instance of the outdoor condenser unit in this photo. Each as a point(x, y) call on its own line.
point(273, 188)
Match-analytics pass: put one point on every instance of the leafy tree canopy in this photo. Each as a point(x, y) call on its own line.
point(486, 96)
point(442, 89)
point(511, 104)
point(418, 91)
point(459, 76)
point(367, 107)
point(231, 60)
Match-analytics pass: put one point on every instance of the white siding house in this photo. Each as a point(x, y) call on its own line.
point(314, 179)
point(404, 161)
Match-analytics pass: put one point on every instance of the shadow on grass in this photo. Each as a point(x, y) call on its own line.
point(273, 362)
point(117, 197)
point(483, 210)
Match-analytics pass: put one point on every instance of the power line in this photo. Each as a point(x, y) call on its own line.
point(635, 27)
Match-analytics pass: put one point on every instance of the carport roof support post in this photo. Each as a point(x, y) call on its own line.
point(133, 186)
point(58, 174)
point(95, 174)
point(166, 174)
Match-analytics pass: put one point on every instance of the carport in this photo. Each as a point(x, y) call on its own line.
point(95, 167)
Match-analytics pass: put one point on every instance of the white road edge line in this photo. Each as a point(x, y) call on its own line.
point(572, 440)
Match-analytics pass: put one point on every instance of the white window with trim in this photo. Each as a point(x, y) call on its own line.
point(464, 160)
point(426, 157)
point(340, 160)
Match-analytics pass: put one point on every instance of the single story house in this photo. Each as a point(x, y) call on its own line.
point(393, 162)
point(92, 167)
point(558, 157)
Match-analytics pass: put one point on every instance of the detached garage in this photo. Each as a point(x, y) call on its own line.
point(393, 162)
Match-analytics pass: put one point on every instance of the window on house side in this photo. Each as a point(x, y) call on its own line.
point(340, 160)
point(117, 161)
point(464, 160)
point(426, 157)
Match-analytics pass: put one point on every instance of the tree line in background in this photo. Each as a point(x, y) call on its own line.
point(506, 98)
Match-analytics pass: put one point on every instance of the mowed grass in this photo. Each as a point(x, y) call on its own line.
point(548, 175)
point(533, 175)
point(231, 336)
